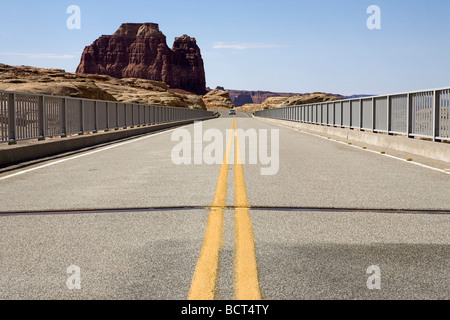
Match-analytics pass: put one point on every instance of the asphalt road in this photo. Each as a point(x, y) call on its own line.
point(135, 223)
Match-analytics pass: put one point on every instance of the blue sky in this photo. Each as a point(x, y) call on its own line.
point(283, 45)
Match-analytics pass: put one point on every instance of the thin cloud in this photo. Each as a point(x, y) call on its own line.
point(39, 55)
point(243, 46)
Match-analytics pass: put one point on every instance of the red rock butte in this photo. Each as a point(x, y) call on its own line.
point(139, 50)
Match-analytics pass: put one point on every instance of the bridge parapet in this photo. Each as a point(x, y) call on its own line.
point(424, 114)
point(26, 116)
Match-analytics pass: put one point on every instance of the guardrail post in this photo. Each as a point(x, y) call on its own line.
point(117, 117)
point(95, 117)
point(82, 113)
point(334, 115)
point(124, 106)
point(436, 115)
point(360, 114)
point(311, 114)
point(158, 115)
point(132, 115)
point(388, 108)
point(63, 119)
point(145, 112)
point(307, 114)
point(318, 114)
point(146, 115)
point(41, 119)
point(139, 115)
point(152, 114)
point(373, 114)
point(408, 116)
point(350, 107)
point(12, 126)
point(151, 119)
point(107, 117)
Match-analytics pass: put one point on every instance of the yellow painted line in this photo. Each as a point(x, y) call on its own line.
point(205, 279)
point(246, 284)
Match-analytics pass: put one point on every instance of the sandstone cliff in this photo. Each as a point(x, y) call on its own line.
point(140, 51)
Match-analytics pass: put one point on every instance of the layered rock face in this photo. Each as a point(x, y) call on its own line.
point(299, 99)
point(140, 51)
point(91, 86)
point(218, 99)
point(240, 97)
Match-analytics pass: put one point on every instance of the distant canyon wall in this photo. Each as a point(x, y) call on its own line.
point(241, 97)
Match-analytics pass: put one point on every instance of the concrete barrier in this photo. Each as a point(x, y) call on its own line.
point(428, 149)
point(40, 149)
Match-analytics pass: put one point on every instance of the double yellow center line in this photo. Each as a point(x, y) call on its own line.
point(204, 284)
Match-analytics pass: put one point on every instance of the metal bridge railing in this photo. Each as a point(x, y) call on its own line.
point(32, 116)
point(423, 114)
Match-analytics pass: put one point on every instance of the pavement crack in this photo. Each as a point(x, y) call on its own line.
point(203, 207)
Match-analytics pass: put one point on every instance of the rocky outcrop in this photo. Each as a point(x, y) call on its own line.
point(315, 97)
point(140, 51)
point(60, 83)
point(299, 99)
point(50, 81)
point(218, 99)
